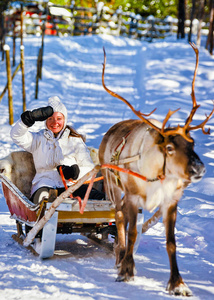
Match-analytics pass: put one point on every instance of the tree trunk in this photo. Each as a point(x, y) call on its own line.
point(209, 44)
point(191, 19)
point(3, 7)
point(212, 36)
point(1, 28)
point(201, 17)
point(181, 19)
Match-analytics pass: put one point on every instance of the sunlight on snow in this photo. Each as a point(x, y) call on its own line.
point(157, 74)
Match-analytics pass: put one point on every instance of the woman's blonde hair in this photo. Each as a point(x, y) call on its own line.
point(74, 133)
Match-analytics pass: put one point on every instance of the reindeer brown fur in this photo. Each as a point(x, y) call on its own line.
point(166, 157)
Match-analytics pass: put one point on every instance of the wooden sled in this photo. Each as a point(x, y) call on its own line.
point(16, 174)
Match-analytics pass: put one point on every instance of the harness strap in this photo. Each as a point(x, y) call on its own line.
point(119, 149)
point(129, 159)
point(113, 167)
point(66, 187)
point(117, 161)
point(116, 156)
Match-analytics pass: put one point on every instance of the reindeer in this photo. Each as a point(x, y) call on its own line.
point(167, 160)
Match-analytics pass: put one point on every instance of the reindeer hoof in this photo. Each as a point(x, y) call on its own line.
point(124, 278)
point(181, 290)
point(117, 266)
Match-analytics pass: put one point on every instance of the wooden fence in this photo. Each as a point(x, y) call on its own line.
point(72, 20)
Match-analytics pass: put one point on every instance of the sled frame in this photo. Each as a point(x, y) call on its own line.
point(97, 214)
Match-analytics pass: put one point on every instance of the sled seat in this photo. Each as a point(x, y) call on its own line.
point(20, 207)
point(16, 173)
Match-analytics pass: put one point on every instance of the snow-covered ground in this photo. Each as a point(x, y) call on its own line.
point(148, 75)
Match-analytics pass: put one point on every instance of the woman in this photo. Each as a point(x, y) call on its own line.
point(56, 145)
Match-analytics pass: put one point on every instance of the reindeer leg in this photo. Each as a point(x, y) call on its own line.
point(114, 194)
point(120, 248)
point(176, 285)
point(127, 265)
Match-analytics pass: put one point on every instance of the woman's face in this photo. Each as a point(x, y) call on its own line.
point(55, 123)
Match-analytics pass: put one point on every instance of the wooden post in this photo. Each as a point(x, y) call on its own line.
point(9, 80)
point(5, 89)
point(23, 76)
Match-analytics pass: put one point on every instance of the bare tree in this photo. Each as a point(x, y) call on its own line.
point(3, 6)
point(191, 19)
point(209, 44)
point(181, 19)
point(202, 4)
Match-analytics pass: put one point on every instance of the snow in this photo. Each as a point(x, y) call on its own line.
point(152, 75)
point(6, 47)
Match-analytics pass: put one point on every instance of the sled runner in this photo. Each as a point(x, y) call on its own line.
point(16, 173)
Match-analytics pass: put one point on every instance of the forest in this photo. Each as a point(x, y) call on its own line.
point(157, 8)
point(202, 10)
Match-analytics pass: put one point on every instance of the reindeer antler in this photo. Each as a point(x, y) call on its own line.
point(137, 113)
point(194, 103)
point(183, 131)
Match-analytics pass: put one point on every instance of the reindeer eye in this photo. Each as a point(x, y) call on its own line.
point(170, 149)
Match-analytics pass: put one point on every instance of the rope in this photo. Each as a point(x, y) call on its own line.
point(109, 183)
point(113, 167)
point(87, 194)
point(93, 179)
point(90, 182)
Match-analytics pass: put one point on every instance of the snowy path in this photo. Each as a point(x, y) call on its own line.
point(148, 75)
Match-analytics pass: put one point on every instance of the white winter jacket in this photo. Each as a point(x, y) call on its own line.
point(49, 152)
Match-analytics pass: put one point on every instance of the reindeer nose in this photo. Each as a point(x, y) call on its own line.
point(197, 171)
